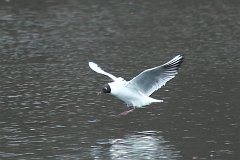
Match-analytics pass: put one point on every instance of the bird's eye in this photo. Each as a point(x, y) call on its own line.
point(106, 89)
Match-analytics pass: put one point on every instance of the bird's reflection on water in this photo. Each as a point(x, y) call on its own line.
point(143, 145)
point(140, 145)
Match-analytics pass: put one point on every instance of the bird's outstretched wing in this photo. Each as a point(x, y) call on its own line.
point(97, 69)
point(152, 79)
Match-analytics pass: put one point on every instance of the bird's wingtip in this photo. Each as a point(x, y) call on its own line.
point(90, 63)
point(180, 55)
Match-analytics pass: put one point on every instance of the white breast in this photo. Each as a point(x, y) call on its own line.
point(130, 96)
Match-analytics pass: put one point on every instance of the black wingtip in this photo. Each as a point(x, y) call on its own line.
point(181, 56)
point(174, 63)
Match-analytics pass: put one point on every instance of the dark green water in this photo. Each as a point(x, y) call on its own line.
point(48, 103)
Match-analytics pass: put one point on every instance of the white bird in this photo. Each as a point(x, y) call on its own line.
point(135, 93)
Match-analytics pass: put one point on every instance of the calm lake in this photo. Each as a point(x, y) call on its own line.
point(49, 108)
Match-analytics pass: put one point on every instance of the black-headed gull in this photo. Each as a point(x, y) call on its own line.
point(135, 93)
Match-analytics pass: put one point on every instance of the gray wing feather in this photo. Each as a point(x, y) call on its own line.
point(152, 79)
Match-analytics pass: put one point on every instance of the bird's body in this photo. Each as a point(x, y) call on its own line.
point(130, 95)
point(136, 92)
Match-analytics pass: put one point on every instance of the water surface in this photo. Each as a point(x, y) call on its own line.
point(48, 103)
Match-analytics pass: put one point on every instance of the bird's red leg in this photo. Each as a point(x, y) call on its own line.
point(126, 112)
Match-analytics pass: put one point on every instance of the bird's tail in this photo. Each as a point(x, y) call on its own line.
point(155, 100)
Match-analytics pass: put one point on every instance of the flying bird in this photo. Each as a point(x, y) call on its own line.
point(136, 92)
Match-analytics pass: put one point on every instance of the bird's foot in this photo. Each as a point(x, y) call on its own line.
point(126, 112)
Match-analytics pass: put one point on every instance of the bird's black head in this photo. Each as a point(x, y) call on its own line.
point(106, 89)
